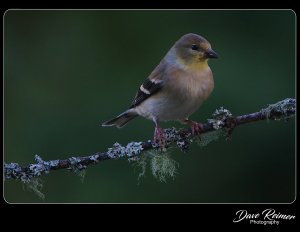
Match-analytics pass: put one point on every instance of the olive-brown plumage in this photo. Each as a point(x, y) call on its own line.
point(176, 88)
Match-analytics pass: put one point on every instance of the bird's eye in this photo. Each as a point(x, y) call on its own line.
point(194, 47)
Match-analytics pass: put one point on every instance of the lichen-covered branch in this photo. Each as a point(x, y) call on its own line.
point(222, 121)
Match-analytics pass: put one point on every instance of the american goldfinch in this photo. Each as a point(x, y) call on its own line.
point(175, 89)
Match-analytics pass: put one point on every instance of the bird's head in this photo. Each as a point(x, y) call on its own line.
point(193, 49)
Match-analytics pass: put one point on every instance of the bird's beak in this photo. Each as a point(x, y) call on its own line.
point(211, 54)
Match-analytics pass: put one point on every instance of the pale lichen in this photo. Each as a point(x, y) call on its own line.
point(118, 151)
point(163, 167)
point(183, 144)
point(219, 117)
point(81, 174)
point(209, 137)
point(14, 170)
point(173, 135)
point(38, 159)
point(141, 163)
point(284, 109)
point(94, 158)
point(35, 185)
point(75, 164)
point(133, 148)
point(77, 168)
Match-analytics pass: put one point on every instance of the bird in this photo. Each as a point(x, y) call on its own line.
point(175, 89)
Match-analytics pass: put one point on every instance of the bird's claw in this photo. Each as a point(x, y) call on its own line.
point(197, 128)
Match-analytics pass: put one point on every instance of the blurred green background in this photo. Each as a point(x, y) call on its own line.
point(65, 72)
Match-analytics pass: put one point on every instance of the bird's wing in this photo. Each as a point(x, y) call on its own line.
point(151, 85)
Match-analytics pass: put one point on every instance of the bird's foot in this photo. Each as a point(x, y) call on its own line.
point(159, 137)
point(197, 128)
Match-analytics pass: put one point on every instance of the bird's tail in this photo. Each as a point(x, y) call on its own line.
point(121, 120)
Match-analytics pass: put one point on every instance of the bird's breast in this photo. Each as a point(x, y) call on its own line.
point(192, 86)
point(182, 95)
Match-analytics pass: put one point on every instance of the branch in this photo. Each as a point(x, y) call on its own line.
point(222, 121)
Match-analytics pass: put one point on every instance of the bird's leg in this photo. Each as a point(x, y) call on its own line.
point(159, 136)
point(196, 127)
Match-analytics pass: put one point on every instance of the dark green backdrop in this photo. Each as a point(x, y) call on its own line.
point(68, 71)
